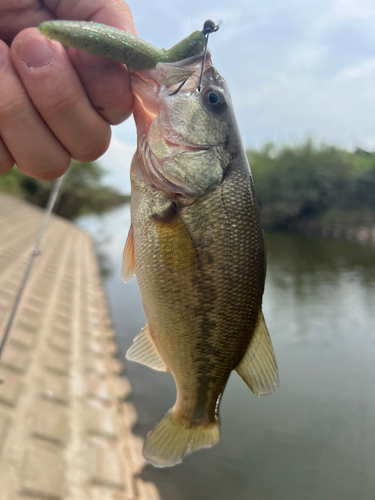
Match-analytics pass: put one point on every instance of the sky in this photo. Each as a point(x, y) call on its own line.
point(295, 69)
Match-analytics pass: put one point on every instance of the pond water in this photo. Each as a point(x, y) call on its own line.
point(313, 439)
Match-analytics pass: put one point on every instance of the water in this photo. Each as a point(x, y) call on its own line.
point(314, 438)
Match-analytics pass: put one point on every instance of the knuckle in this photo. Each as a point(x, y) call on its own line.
point(93, 147)
point(55, 168)
point(49, 168)
point(117, 107)
point(119, 117)
point(91, 154)
point(62, 104)
point(13, 108)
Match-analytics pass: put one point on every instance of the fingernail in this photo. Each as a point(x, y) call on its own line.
point(35, 51)
point(92, 62)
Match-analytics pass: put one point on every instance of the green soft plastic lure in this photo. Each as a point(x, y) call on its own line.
point(121, 46)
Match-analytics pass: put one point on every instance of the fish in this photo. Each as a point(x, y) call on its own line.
point(196, 246)
point(195, 243)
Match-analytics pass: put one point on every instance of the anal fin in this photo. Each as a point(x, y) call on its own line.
point(258, 367)
point(144, 351)
point(128, 261)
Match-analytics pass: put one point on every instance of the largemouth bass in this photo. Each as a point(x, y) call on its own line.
point(196, 242)
point(197, 249)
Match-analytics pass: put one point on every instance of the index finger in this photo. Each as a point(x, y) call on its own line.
point(115, 13)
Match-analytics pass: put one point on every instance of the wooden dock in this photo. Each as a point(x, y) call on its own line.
point(65, 427)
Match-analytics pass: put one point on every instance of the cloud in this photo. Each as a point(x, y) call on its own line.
point(306, 56)
point(337, 110)
point(347, 10)
point(362, 70)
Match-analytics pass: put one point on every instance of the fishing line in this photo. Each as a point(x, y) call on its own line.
point(47, 213)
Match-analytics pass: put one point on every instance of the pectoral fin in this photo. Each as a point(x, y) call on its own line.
point(258, 367)
point(177, 247)
point(128, 261)
point(144, 351)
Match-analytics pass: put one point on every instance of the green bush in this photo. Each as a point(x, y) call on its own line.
point(308, 187)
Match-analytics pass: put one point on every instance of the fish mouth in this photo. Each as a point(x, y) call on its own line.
point(147, 111)
point(146, 90)
point(152, 87)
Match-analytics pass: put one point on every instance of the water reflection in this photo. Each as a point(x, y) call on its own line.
point(315, 438)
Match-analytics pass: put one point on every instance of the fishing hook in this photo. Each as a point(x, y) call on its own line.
point(180, 86)
point(208, 27)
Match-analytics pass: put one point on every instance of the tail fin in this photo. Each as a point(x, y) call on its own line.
point(173, 438)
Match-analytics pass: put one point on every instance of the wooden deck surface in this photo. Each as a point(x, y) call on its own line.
point(65, 427)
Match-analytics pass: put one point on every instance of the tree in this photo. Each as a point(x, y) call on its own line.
point(82, 190)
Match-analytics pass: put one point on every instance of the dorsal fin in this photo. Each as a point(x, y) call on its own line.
point(144, 351)
point(258, 367)
point(128, 261)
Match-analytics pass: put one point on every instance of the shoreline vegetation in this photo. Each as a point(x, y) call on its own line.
point(316, 190)
point(83, 191)
point(308, 188)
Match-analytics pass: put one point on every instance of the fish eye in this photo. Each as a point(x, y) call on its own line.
point(213, 98)
point(215, 101)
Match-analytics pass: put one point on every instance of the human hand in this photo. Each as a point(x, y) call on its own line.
point(57, 104)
